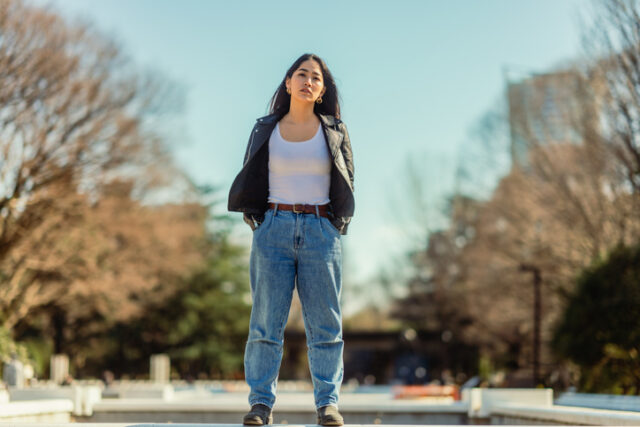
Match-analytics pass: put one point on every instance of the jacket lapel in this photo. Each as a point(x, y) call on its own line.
point(334, 137)
point(260, 133)
point(264, 127)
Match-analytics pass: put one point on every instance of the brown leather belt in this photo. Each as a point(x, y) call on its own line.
point(323, 210)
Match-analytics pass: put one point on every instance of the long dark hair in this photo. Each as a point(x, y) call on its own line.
point(281, 100)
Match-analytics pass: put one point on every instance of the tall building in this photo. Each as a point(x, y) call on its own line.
point(545, 109)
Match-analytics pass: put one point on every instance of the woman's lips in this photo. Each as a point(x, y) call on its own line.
point(305, 91)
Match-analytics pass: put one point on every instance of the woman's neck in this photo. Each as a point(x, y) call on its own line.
point(300, 113)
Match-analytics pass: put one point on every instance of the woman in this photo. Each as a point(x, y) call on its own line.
point(296, 192)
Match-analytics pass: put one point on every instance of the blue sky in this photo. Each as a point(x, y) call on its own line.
point(414, 76)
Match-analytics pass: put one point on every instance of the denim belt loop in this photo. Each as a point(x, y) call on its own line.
point(317, 212)
point(275, 210)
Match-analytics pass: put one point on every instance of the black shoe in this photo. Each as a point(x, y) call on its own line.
point(258, 416)
point(329, 416)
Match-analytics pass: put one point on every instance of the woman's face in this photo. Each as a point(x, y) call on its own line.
point(306, 84)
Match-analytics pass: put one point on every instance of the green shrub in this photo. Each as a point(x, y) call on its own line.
point(600, 328)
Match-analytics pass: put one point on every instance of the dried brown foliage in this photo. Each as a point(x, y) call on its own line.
point(614, 38)
point(571, 197)
point(76, 157)
point(565, 206)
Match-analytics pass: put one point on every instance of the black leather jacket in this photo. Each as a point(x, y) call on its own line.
point(250, 189)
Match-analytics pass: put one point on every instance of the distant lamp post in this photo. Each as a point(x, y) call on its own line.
point(533, 268)
point(537, 315)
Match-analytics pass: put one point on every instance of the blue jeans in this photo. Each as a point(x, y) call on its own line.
point(304, 250)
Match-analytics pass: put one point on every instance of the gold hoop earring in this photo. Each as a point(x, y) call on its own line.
point(289, 91)
point(319, 100)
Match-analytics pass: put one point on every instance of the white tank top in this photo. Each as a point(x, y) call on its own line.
point(299, 172)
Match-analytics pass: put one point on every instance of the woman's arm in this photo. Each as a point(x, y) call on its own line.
point(347, 154)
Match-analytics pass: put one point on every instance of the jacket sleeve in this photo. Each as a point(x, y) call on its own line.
point(347, 154)
point(249, 144)
point(251, 219)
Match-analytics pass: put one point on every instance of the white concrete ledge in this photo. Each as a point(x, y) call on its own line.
point(142, 391)
point(199, 405)
point(600, 401)
point(12, 409)
point(482, 400)
point(209, 425)
point(82, 396)
point(192, 425)
point(42, 411)
point(567, 415)
point(203, 425)
point(185, 425)
point(287, 402)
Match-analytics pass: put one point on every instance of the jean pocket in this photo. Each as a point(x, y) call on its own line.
point(330, 226)
point(265, 220)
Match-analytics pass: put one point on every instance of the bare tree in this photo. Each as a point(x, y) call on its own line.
point(614, 39)
point(569, 198)
point(562, 206)
point(73, 118)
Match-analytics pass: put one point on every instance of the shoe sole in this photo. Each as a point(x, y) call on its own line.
point(331, 423)
point(257, 423)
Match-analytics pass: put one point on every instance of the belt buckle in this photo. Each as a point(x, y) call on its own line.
point(294, 208)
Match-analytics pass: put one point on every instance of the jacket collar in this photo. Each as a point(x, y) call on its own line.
point(327, 119)
point(333, 135)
